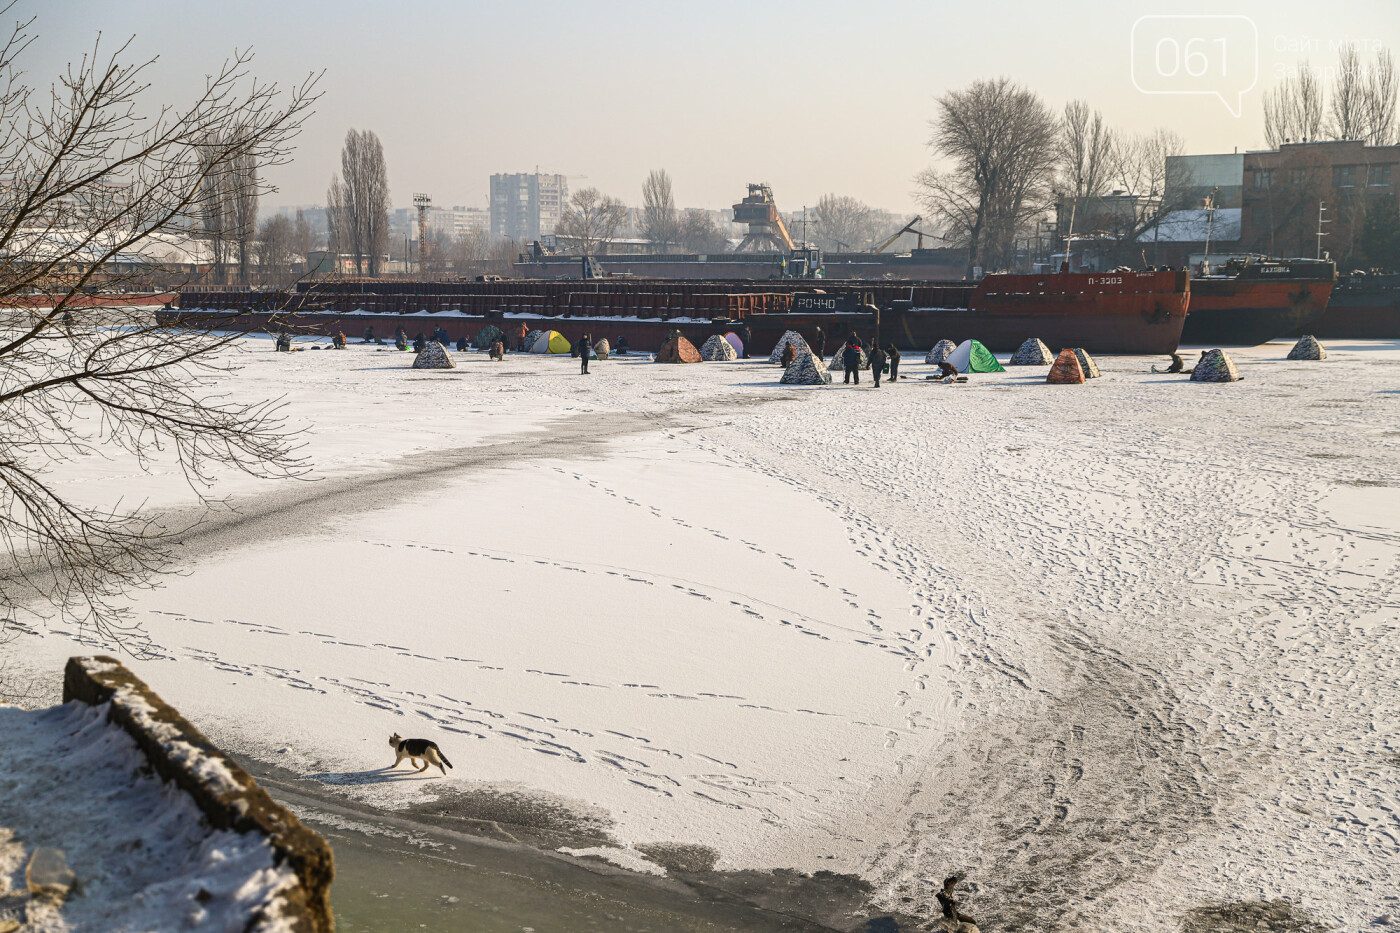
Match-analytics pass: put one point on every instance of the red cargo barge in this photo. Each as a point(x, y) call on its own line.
point(1252, 301)
point(1112, 312)
point(1132, 312)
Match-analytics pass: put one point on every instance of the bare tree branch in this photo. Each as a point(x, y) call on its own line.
point(92, 186)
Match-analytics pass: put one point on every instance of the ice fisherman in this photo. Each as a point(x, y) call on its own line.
point(850, 359)
point(893, 353)
point(584, 346)
point(877, 363)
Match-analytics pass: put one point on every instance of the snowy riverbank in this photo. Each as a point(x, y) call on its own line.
point(1117, 650)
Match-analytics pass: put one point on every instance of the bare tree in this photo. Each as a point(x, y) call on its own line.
point(660, 222)
point(338, 234)
point(1347, 104)
point(357, 201)
point(1000, 139)
point(1294, 108)
point(303, 238)
point(274, 250)
point(843, 222)
point(1307, 103)
point(1379, 101)
point(1143, 168)
point(700, 234)
point(1278, 117)
point(591, 218)
point(242, 189)
point(90, 178)
point(1086, 151)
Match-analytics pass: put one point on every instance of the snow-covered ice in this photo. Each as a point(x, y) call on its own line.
point(1113, 653)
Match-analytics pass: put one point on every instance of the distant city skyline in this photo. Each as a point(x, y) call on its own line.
point(825, 98)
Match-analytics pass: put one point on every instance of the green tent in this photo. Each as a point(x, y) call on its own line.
point(972, 357)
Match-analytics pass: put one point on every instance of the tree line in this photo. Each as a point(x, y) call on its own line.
point(1010, 159)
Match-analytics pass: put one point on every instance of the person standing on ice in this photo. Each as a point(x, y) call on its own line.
point(894, 363)
point(850, 359)
point(585, 343)
point(877, 363)
point(820, 343)
point(521, 331)
point(744, 336)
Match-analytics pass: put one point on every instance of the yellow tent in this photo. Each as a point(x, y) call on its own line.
point(551, 342)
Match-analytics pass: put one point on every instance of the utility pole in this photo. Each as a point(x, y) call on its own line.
point(805, 222)
point(1321, 211)
point(422, 202)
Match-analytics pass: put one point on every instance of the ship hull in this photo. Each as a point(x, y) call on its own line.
point(1367, 309)
point(1248, 309)
point(1134, 312)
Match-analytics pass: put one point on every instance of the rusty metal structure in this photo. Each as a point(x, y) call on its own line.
point(766, 227)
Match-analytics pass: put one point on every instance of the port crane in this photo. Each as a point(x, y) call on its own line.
point(907, 228)
point(766, 227)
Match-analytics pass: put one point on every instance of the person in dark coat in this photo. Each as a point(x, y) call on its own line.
point(744, 337)
point(419, 342)
point(877, 363)
point(401, 339)
point(284, 342)
point(369, 335)
point(820, 343)
point(893, 353)
point(585, 344)
point(622, 346)
point(947, 370)
point(850, 359)
point(440, 336)
point(789, 354)
point(462, 344)
point(498, 350)
point(338, 341)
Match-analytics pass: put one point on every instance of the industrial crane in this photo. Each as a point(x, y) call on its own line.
point(907, 228)
point(766, 227)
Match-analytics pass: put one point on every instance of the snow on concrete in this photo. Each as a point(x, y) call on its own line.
point(142, 853)
point(1115, 653)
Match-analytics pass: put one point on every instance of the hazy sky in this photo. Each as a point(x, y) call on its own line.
point(812, 97)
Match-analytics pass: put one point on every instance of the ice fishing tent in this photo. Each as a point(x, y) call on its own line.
point(1086, 363)
point(551, 341)
point(735, 342)
point(838, 359)
point(1215, 366)
point(1066, 370)
point(677, 349)
point(1033, 352)
point(717, 350)
point(940, 352)
point(972, 357)
point(806, 369)
point(788, 337)
point(1307, 348)
point(528, 341)
point(487, 336)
